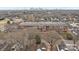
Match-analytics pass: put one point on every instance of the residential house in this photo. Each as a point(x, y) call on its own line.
point(17, 20)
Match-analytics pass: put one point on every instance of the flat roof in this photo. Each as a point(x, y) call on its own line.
point(43, 24)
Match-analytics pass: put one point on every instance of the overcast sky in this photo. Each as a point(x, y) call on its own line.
point(50, 4)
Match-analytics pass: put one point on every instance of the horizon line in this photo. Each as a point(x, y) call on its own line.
point(39, 8)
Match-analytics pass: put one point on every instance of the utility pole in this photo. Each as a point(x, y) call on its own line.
point(75, 41)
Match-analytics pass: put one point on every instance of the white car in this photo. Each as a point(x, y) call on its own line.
point(38, 50)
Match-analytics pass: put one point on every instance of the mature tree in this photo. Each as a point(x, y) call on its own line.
point(69, 36)
point(8, 22)
point(38, 39)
